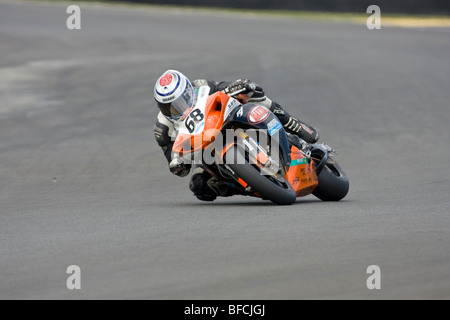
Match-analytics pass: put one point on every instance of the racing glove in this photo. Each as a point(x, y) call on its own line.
point(179, 168)
point(246, 89)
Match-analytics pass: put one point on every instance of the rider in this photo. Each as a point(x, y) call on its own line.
point(175, 94)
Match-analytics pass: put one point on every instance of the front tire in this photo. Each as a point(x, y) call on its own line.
point(333, 183)
point(275, 192)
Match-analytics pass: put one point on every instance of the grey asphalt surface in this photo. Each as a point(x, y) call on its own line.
point(84, 183)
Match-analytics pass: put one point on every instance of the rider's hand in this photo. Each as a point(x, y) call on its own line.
point(244, 90)
point(179, 168)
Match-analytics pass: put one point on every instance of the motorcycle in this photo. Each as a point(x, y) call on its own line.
point(246, 147)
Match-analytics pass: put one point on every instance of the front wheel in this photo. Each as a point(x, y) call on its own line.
point(278, 192)
point(333, 183)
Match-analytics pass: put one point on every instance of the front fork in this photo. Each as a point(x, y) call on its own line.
point(250, 150)
point(258, 155)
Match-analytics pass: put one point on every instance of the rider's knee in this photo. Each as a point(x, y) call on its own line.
point(199, 186)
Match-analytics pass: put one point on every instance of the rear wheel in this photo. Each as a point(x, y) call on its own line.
point(277, 190)
point(333, 183)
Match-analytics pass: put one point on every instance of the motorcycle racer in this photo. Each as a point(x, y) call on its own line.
point(175, 94)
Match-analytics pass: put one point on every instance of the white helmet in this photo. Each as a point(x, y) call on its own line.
point(174, 94)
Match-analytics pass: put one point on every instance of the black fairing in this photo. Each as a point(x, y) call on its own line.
point(239, 117)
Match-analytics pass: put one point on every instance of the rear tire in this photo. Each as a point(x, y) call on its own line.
point(262, 185)
point(333, 183)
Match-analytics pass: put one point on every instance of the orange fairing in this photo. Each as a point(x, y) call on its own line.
point(302, 174)
point(214, 114)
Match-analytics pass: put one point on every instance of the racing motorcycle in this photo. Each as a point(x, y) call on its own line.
point(246, 147)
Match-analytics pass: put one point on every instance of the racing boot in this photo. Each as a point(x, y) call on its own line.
point(199, 185)
point(295, 126)
point(223, 189)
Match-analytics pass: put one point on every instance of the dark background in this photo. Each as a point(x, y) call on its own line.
point(387, 6)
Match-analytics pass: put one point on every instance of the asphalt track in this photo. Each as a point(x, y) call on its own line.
point(84, 183)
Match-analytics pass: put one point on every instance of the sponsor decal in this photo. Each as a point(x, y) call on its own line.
point(274, 126)
point(278, 111)
point(232, 104)
point(307, 129)
point(296, 154)
point(202, 96)
point(297, 162)
point(199, 127)
point(258, 114)
point(166, 80)
point(240, 112)
point(168, 99)
point(203, 92)
point(229, 169)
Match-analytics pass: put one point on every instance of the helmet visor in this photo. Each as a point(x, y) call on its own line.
point(177, 108)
